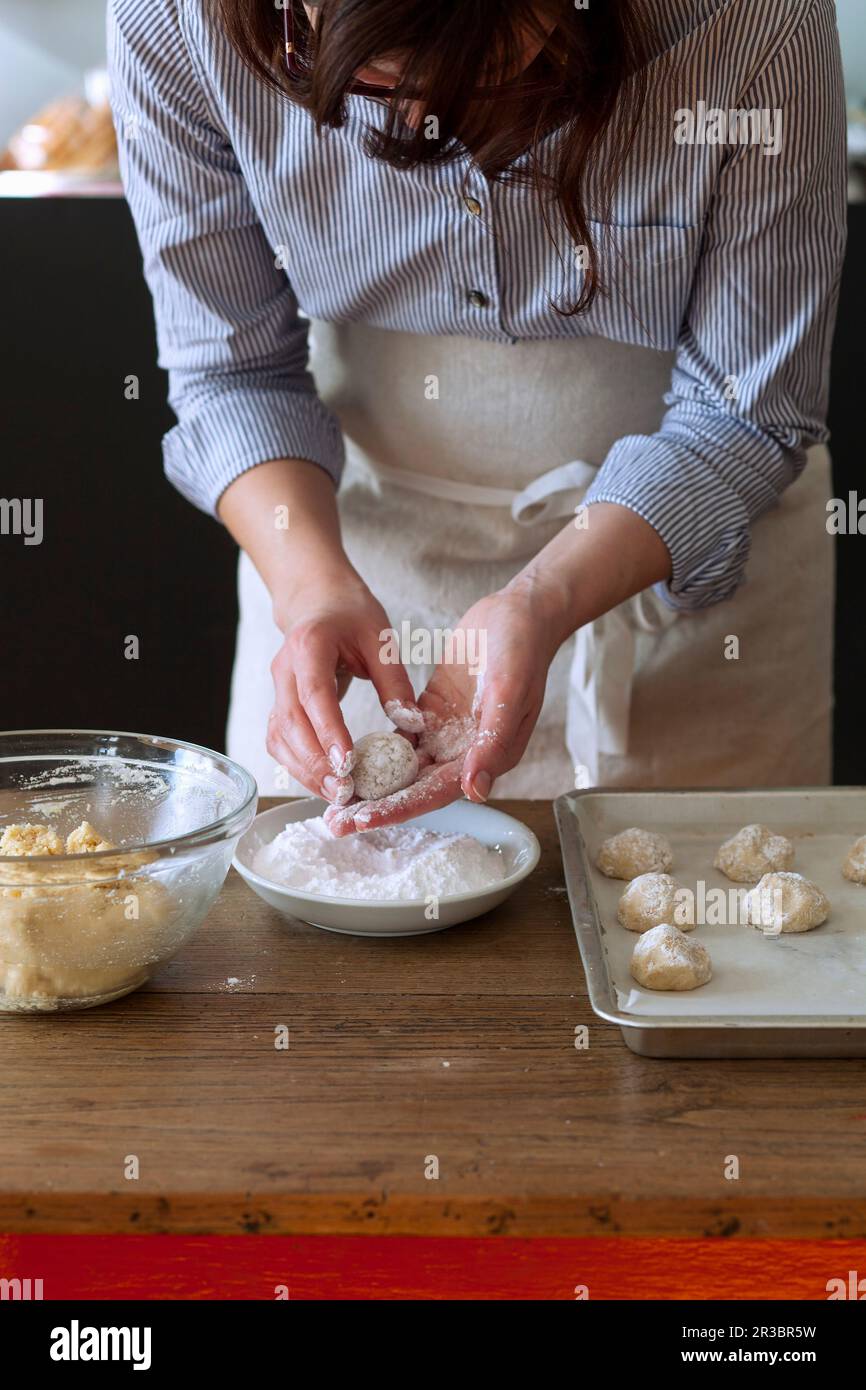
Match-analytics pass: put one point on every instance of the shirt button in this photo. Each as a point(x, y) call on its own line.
point(473, 206)
point(478, 299)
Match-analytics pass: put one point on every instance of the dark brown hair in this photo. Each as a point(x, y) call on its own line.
point(589, 81)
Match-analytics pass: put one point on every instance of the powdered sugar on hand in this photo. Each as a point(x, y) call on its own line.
point(397, 863)
point(407, 718)
point(446, 739)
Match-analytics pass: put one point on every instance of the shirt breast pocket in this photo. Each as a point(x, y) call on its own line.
point(647, 275)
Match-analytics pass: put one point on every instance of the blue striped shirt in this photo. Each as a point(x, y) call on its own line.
point(724, 250)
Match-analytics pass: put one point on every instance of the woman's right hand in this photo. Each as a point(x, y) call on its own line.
point(332, 632)
point(330, 621)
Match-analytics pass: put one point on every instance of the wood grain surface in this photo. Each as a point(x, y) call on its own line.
point(458, 1045)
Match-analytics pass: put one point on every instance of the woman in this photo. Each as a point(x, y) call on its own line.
point(477, 248)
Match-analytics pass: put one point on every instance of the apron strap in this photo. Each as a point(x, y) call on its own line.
point(554, 494)
point(448, 488)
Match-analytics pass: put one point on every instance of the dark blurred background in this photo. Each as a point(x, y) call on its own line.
point(124, 554)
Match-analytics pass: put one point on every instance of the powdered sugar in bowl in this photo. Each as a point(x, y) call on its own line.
point(432, 872)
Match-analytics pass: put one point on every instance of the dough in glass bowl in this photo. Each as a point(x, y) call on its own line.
point(80, 939)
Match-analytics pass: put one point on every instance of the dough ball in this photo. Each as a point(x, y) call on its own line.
point(855, 861)
point(752, 852)
point(664, 958)
point(633, 852)
point(650, 900)
point(19, 840)
point(384, 763)
point(786, 902)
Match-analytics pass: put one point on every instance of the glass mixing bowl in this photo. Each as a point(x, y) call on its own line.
point(80, 928)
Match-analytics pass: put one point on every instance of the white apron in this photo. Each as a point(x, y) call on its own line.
point(464, 459)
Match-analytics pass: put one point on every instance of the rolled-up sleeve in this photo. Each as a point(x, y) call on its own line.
point(750, 382)
point(228, 328)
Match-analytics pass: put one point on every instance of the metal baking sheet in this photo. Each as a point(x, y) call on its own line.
point(794, 995)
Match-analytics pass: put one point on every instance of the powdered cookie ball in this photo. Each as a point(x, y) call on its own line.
point(634, 852)
point(650, 900)
point(855, 861)
point(786, 902)
point(384, 763)
point(663, 958)
point(752, 852)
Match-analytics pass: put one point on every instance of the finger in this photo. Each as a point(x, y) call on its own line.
point(504, 727)
point(343, 792)
point(437, 786)
point(436, 708)
point(338, 808)
point(409, 719)
point(389, 678)
point(314, 666)
point(276, 744)
point(292, 741)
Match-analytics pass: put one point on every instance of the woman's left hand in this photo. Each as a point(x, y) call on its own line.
point(516, 633)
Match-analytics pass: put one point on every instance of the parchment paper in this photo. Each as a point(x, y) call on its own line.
point(820, 972)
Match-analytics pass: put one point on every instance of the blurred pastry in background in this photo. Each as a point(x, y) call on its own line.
point(74, 134)
point(857, 154)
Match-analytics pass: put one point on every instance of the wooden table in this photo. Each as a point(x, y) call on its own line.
point(457, 1046)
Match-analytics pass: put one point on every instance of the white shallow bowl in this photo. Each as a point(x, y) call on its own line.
point(516, 842)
